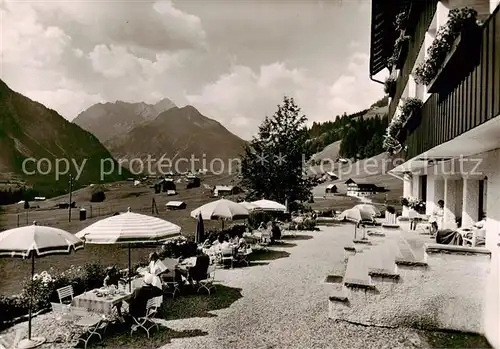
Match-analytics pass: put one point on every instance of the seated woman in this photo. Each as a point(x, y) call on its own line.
point(112, 277)
point(139, 298)
point(436, 218)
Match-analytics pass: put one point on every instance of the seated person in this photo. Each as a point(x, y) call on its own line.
point(234, 239)
point(242, 243)
point(112, 277)
point(191, 273)
point(275, 232)
point(262, 226)
point(137, 302)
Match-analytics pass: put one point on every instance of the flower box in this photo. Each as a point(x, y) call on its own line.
point(460, 61)
point(413, 121)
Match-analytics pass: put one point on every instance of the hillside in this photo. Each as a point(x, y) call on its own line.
point(358, 135)
point(30, 130)
point(108, 120)
point(180, 134)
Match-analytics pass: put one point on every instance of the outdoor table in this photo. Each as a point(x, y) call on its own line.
point(102, 305)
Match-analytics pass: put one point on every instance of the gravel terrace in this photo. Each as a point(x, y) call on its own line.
point(285, 305)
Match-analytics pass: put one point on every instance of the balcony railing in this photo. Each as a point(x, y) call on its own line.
point(475, 100)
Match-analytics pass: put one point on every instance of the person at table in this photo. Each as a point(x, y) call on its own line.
point(242, 243)
point(155, 268)
point(235, 239)
point(275, 232)
point(139, 298)
point(112, 277)
point(192, 271)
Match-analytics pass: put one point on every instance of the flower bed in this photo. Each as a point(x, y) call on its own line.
point(45, 284)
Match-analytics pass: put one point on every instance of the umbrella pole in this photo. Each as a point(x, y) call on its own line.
point(31, 293)
point(129, 270)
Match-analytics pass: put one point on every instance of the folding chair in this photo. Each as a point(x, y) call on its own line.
point(242, 256)
point(227, 254)
point(208, 282)
point(65, 295)
point(474, 237)
point(91, 323)
point(170, 286)
point(147, 322)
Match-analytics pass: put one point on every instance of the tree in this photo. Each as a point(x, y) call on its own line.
point(273, 162)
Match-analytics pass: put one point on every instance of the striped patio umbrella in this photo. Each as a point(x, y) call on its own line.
point(129, 228)
point(36, 241)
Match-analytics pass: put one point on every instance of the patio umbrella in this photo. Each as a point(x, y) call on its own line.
point(222, 209)
point(36, 241)
point(369, 208)
point(128, 228)
point(356, 215)
point(248, 205)
point(200, 230)
point(268, 205)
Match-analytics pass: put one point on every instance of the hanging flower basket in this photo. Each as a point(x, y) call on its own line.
point(453, 54)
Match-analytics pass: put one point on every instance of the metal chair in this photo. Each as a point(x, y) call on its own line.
point(65, 295)
point(147, 322)
point(208, 282)
point(91, 323)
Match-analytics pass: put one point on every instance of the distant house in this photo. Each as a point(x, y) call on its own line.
point(331, 189)
point(225, 190)
point(164, 184)
point(193, 182)
point(175, 205)
point(361, 189)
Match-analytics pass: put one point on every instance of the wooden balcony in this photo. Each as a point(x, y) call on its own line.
point(474, 100)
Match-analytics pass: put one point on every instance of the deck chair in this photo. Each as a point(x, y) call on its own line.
point(147, 322)
point(91, 323)
point(207, 283)
point(227, 254)
point(242, 255)
point(199, 271)
point(65, 295)
point(474, 237)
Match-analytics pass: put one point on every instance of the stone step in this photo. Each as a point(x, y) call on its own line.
point(356, 274)
point(381, 261)
point(375, 233)
point(337, 274)
point(339, 294)
point(406, 256)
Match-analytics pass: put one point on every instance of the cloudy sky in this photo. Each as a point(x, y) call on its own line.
point(233, 60)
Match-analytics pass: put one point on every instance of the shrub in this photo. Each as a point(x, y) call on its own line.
point(390, 209)
point(255, 218)
point(307, 225)
point(98, 196)
point(390, 86)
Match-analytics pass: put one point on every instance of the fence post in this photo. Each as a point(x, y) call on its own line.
point(18, 219)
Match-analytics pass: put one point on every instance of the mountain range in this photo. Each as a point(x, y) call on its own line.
point(120, 117)
point(30, 130)
point(183, 137)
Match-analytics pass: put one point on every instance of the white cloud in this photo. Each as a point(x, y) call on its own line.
point(71, 54)
point(242, 98)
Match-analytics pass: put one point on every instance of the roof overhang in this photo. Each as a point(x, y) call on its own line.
point(383, 35)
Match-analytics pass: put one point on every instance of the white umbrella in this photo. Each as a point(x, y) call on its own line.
point(248, 205)
point(356, 214)
point(222, 209)
point(36, 241)
point(128, 228)
point(268, 205)
point(369, 208)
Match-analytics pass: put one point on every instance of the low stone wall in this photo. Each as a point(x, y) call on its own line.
point(445, 294)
